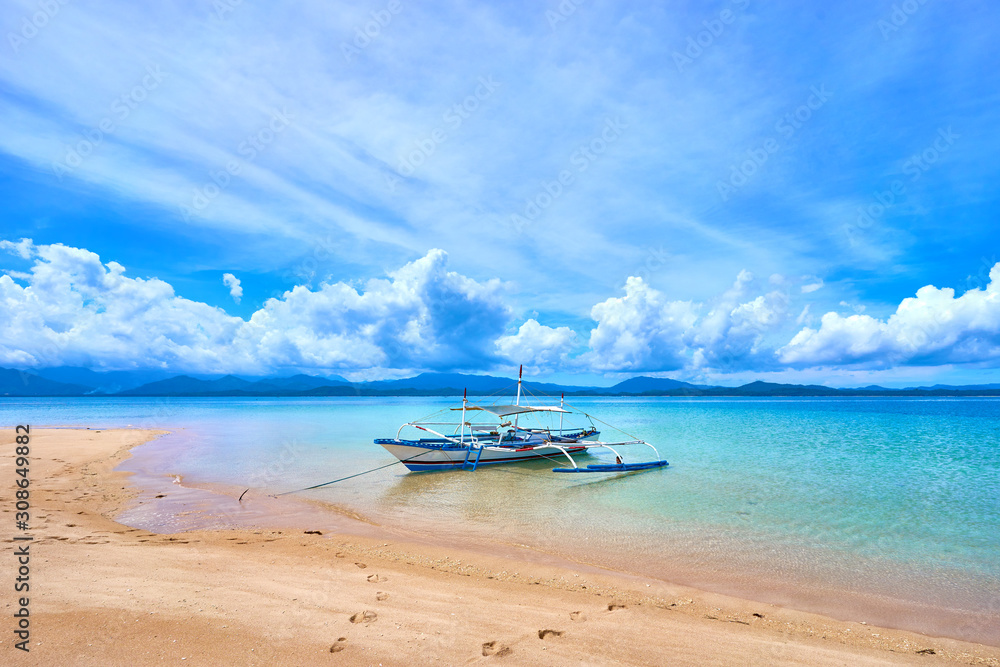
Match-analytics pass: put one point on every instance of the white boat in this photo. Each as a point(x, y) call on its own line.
point(513, 432)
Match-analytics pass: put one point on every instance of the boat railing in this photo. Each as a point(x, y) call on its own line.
point(487, 427)
point(461, 439)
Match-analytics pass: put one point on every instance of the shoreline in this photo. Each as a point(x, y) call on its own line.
point(210, 504)
point(203, 505)
point(280, 595)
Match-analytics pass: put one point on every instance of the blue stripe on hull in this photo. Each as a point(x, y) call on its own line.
point(453, 464)
point(447, 465)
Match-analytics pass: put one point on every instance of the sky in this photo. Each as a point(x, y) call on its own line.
point(710, 191)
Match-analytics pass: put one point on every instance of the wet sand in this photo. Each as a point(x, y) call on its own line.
point(321, 588)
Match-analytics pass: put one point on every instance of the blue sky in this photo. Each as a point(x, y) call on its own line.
point(715, 192)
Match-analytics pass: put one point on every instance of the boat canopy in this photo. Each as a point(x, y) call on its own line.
point(504, 410)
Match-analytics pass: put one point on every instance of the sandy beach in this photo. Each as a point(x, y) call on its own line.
point(102, 593)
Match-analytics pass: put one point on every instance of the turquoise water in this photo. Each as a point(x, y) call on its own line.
point(886, 510)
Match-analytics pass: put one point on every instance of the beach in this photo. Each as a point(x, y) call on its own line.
point(104, 593)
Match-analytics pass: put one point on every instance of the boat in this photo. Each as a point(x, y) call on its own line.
point(493, 433)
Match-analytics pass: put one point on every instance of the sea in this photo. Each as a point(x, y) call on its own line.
point(882, 510)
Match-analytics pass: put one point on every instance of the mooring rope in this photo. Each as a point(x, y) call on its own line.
point(387, 465)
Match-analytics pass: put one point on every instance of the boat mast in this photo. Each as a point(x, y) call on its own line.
point(465, 399)
point(518, 401)
point(562, 399)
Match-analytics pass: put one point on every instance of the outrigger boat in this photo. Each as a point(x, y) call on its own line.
point(506, 438)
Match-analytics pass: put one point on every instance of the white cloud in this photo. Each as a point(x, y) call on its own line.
point(75, 310)
point(644, 331)
point(932, 328)
point(72, 309)
point(537, 345)
point(640, 331)
point(812, 286)
point(22, 248)
point(423, 316)
point(233, 283)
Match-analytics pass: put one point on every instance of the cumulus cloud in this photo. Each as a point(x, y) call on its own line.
point(22, 248)
point(233, 283)
point(645, 331)
point(932, 328)
point(538, 345)
point(76, 310)
point(422, 316)
point(70, 308)
point(641, 330)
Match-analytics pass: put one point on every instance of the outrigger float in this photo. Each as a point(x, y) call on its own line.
point(468, 444)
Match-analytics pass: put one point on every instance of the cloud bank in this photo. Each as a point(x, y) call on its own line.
point(644, 331)
point(70, 308)
point(935, 327)
point(75, 310)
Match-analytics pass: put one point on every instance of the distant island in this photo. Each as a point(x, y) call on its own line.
point(70, 381)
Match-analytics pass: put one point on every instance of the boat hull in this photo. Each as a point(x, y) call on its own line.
point(418, 458)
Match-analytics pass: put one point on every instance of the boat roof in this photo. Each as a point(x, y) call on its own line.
point(504, 410)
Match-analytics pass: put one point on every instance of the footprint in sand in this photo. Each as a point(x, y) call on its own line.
point(339, 555)
point(577, 616)
point(375, 578)
point(615, 605)
point(361, 565)
point(380, 596)
point(496, 648)
point(364, 617)
point(340, 645)
point(542, 634)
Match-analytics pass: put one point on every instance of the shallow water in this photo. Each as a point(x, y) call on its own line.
point(878, 509)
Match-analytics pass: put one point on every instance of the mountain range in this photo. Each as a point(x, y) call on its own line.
point(69, 381)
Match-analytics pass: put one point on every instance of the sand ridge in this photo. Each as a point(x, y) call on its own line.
point(106, 594)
